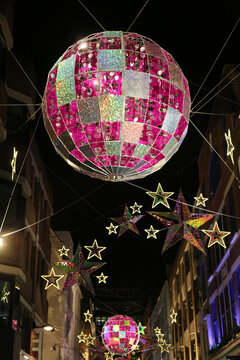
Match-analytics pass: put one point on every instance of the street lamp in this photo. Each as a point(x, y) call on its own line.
point(46, 327)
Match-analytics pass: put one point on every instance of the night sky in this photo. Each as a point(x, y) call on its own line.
point(193, 33)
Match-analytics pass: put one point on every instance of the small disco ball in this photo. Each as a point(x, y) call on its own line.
point(120, 335)
point(116, 106)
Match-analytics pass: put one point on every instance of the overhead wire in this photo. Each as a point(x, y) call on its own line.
point(80, 2)
point(137, 15)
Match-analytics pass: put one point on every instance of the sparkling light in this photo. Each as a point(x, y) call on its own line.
point(120, 335)
point(116, 106)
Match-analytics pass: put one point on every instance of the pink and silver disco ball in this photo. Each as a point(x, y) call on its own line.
point(116, 106)
point(120, 335)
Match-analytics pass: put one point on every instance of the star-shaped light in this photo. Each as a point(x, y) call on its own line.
point(216, 236)
point(164, 346)
point(127, 222)
point(141, 328)
point(88, 316)
point(173, 316)
point(82, 337)
point(52, 279)
point(78, 270)
point(157, 330)
point(90, 340)
point(102, 278)
point(151, 232)
point(4, 297)
point(200, 200)
point(84, 355)
point(136, 208)
point(159, 196)
point(160, 337)
point(95, 250)
point(182, 224)
point(63, 251)
point(230, 147)
point(112, 229)
point(108, 355)
point(14, 162)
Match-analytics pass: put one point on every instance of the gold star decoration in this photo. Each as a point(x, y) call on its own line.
point(160, 337)
point(136, 208)
point(230, 147)
point(82, 337)
point(90, 340)
point(88, 316)
point(164, 346)
point(102, 278)
point(4, 297)
point(95, 250)
point(216, 235)
point(157, 330)
point(200, 200)
point(112, 229)
point(52, 279)
point(159, 196)
point(141, 328)
point(63, 251)
point(84, 355)
point(173, 316)
point(14, 162)
point(108, 355)
point(151, 232)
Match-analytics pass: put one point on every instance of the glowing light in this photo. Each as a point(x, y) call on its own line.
point(173, 316)
point(120, 335)
point(88, 316)
point(151, 232)
point(63, 251)
point(141, 328)
point(48, 327)
point(126, 106)
point(82, 337)
point(164, 346)
point(95, 250)
point(102, 278)
point(216, 235)
point(200, 200)
point(14, 162)
point(90, 340)
point(112, 229)
point(136, 208)
point(230, 147)
point(159, 196)
point(1, 241)
point(127, 222)
point(52, 279)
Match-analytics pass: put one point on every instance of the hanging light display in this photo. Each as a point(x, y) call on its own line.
point(116, 106)
point(120, 335)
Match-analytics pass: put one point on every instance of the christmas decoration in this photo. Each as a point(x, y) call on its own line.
point(90, 340)
point(127, 222)
point(141, 328)
point(182, 224)
point(82, 337)
point(136, 208)
point(78, 269)
point(157, 330)
point(173, 316)
point(95, 250)
point(151, 232)
point(164, 346)
point(5, 294)
point(14, 162)
point(160, 337)
point(52, 279)
point(101, 278)
point(112, 229)
point(230, 147)
point(108, 355)
point(216, 236)
point(63, 251)
point(120, 335)
point(88, 316)
point(116, 106)
point(159, 196)
point(200, 200)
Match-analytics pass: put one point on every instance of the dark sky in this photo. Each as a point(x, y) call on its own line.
point(193, 32)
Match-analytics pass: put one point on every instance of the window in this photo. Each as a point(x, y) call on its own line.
point(215, 322)
point(196, 295)
point(222, 312)
point(203, 282)
point(214, 173)
point(232, 299)
point(190, 306)
point(227, 309)
point(238, 283)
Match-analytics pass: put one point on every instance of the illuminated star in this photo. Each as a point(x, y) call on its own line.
point(5, 295)
point(95, 250)
point(84, 355)
point(216, 236)
point(82, 337)
point(230, 147)
point(151, 232)
point(88, 316)
point(127, 222)
point(158, 331)
point(136, 208)
point(52, 279)
point(200, 200)
point(90, 340)
point(78, 270)
point(108, 355)
point(63, 251)
point(182, 224)
point(159, 196)
point(160, 337)
point(112, 229)
point(173, 316)
point(102, 278)
point(164, 346)
point(13, 162)
point(141, 328)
